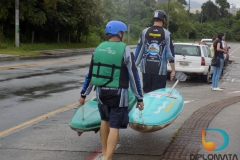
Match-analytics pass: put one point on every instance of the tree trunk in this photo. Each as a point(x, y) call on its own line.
point(32, 37)
point(1, 35)
point(86, 41)
point(58, 37)
point(78, 37)
point(69, 40)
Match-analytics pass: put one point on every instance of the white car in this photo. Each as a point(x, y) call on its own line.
point(206, 42)
point(193, 60)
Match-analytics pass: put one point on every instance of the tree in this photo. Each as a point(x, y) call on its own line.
point(182, 2)
point(179, 24)
point(79, 20)
point(210, 12)
point(223, 5)
point(238, 15)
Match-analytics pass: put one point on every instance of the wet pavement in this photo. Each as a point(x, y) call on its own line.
point(52, 138)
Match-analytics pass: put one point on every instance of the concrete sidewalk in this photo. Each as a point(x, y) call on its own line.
point(223, 112)
point(58, 52)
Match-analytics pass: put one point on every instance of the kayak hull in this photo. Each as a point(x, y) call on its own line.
point(87, 118)
point(160, 110)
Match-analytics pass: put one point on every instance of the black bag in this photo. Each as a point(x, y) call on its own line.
point(215, 61)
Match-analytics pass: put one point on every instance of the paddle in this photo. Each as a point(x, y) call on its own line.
point(179, 76)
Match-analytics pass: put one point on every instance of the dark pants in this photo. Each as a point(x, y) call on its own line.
point(152, 82)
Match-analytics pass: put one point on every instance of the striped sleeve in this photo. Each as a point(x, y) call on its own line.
point(140, 48)
point(87, 87)
point(134, 78)
point(170, 48)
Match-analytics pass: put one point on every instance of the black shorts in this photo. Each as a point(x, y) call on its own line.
point(152, 82)
point(117, 116)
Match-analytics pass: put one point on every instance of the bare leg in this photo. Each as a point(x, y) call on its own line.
point(111, 142)
point(104, 131)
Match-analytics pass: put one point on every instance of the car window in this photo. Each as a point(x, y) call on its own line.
point(205, 52)
point(209, 42)
point(187, 50)
point(209, 51)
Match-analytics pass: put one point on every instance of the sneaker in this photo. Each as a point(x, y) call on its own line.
point(102, 158)
point(217, 89)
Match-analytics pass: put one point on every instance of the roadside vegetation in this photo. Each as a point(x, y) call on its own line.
point(62, 24)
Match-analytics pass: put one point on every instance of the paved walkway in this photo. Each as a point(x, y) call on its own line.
point(60, 52)
point(223, 114)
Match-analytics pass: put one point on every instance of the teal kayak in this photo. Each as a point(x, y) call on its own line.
point(160, 110)
point(87, 118)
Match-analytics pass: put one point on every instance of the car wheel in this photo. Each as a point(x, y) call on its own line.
point(207, 78)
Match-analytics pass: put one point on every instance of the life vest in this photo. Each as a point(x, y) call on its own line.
point(107, 64)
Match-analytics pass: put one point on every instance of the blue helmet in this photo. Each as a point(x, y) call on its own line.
point(113, 27)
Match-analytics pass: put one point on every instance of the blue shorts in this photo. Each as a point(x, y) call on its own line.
point(117, 116)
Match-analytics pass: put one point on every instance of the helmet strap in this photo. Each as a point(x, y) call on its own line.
point(120, 37)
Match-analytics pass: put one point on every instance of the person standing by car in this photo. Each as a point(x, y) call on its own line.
point(212, 48)
point(226, 57)
point(219, 52)
point(154, 51)
point(112, 67)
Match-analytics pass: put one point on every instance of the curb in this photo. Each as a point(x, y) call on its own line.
point(5, 56)
point(71, 51)
point(57, 52)
point(188, 140)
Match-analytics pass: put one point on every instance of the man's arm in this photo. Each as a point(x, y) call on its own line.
point(87, 87)
point(134, 78)
point(139, 49)
point(171, 61)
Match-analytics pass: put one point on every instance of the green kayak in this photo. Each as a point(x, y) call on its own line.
point(87, 118)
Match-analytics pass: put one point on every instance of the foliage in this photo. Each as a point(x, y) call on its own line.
point(210, 12)
point(182, 2)
point(223, 5)
point(179, 24)
point(84, 21)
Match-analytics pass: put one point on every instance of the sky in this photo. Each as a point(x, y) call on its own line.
point(236, 2)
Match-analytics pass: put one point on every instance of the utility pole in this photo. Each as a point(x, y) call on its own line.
point(17, 23)
point(225, 15)
point(128, 21)
point(188, 16)
point(168, 15)
point(189, 8)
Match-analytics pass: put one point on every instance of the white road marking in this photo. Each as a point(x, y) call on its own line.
point(233, 92)
point(233, 80)
point(188, 101)
point(234, 50)
point(235, 57)
point(98, 157)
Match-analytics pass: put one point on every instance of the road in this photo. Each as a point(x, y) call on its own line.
point(38, 97)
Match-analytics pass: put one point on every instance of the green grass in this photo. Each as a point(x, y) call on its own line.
point(28, 49)
point(32, 49)
point(175, 134)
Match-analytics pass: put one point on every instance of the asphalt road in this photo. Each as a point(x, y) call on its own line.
point(38, 97)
